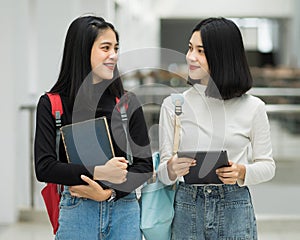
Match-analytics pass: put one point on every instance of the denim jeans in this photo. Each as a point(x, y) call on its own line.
point(85, 219)
point(213, 212)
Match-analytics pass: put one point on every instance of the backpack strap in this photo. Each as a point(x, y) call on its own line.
point(177, 100)
point(57, 112)
point(56, 107)
point(122, 109)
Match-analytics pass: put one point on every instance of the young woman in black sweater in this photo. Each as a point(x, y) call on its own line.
point(89, 86)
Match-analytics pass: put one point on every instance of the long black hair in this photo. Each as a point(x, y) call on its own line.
point(226, 58)
point(76, 64)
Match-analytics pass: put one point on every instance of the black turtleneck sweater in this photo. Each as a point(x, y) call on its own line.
point(49, 169)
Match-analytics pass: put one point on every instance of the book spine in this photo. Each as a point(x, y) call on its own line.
point(109, 137)
point(63, 138)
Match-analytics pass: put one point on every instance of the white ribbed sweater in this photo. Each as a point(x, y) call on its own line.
point(238, 125)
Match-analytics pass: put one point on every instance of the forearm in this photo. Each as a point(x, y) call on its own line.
point(54, 171)
point(137, 175)
point(99, 173)
point(171, 173)
point(259, 172)
point(241, 171)
point(163, 174)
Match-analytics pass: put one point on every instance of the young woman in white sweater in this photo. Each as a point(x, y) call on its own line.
point(217, 115)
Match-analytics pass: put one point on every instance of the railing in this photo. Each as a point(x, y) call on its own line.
point(31, 110)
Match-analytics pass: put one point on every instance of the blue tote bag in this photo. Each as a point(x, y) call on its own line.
point(157, 199)
point(157, 209)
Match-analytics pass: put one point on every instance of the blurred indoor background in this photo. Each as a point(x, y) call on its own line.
point(154, 37)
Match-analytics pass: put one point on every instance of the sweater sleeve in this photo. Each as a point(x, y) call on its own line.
point(47, 167)
point(263, 167)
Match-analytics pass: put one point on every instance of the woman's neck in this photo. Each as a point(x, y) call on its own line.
point(96, 79)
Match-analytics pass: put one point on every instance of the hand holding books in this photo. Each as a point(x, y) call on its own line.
point(89, 143)
point(114, 171)
point(91, 191)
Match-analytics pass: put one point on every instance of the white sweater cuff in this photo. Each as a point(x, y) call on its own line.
point(163, 175)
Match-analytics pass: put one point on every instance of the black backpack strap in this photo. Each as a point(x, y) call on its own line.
point(124, 118)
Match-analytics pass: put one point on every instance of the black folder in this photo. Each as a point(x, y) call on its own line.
point(88, 142)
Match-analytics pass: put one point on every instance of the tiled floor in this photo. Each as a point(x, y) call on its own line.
point(26, 231)
point(281, 230)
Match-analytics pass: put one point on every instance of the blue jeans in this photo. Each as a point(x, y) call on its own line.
point(213, 212)
point(85, 219)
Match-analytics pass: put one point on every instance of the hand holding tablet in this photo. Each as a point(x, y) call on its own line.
point(205, 170)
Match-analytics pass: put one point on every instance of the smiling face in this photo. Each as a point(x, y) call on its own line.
point(104, 55)
point(196, 59)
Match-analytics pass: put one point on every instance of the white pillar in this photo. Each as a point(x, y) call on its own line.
point(295, 57)
point(8, 212)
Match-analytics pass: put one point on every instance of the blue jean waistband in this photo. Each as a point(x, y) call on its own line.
point(212, 188)
point(67, 192)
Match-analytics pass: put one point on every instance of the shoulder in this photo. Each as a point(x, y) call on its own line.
point(130, 96)
point(43, 111)
point(44, 102)
point(131, 102)
point(131, 99)
point(248, 104)
point(44, 99)
point(167, 103)
point(253, 101)
point(187, 95)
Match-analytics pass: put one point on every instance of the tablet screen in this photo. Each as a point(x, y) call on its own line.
point(205, 170)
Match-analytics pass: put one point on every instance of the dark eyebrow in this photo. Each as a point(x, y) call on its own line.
point(109, 43)
point(198, 46)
